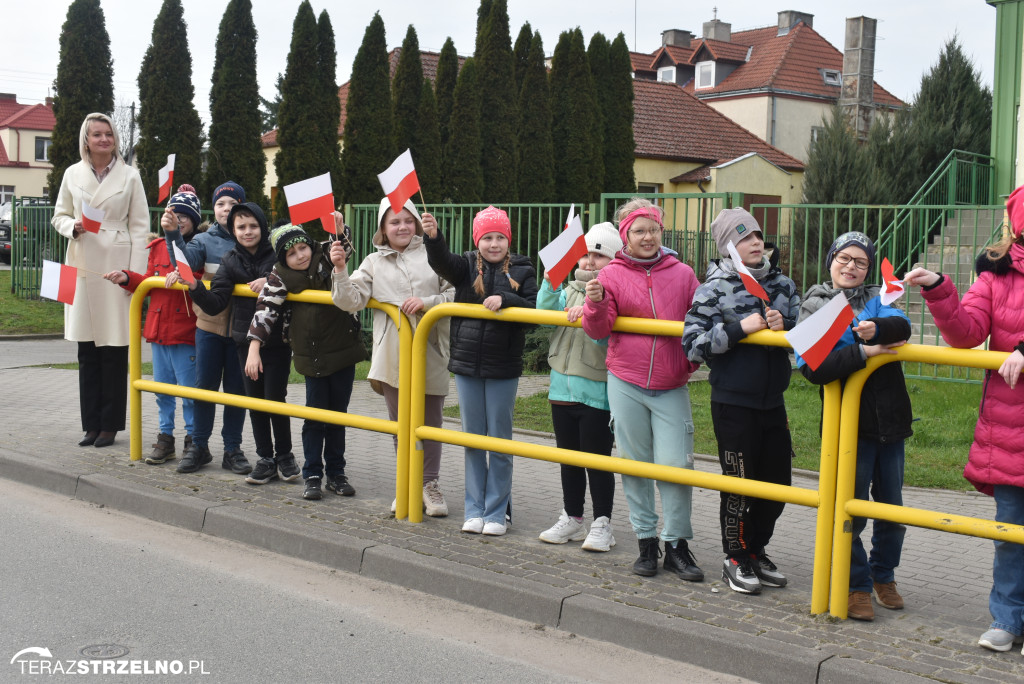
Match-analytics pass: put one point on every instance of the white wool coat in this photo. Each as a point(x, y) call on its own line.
point(100, 311)
point(392, 277)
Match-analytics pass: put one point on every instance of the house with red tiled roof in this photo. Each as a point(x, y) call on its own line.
point(25, 132)
point(778, 82)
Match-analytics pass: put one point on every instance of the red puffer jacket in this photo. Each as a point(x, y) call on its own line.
point(663, 291)
point(994, 305)
point(170, 319)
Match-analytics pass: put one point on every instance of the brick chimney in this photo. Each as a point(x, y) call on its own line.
point(676, 37)
point(790, 18)
point(49, 102)
point(718, 30)
point(857, 95)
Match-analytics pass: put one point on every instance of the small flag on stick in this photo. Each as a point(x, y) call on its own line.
point(816, 336)
point(183, 267)
point(92, 218)
point(312, 199)
point(400, 181)
point(58, 282)
point(892, 287)
point(564, 251)
point(749, 282)
point(166, 179)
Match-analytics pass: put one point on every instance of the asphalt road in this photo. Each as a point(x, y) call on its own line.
point(92, 584)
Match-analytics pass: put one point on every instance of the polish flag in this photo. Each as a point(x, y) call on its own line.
point(564, 251)
point(166, 178)
point(749, 282)
point(818, 334)
point(400, 181)
point(892, 287)
point(58, 282)
point(183, 268)
point(312, 199)
point(92, 218)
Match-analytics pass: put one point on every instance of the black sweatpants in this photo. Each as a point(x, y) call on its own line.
point(754, 444)
point(584, 428)
point(272, 384)
point(102, 387)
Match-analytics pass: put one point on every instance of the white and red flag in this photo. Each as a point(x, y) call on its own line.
point(312, 199)
point(562, 253)
point(892, 287)
point(92, 218)
point(749, 282)
point(399, 181)
point(58, 282)
point(166, 179)
point(818, 334)
point(183, 268)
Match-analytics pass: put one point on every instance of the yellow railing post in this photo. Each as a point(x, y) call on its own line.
point(827, 475)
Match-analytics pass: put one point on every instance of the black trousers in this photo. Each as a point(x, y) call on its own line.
point(754, 444)
point(584, 428)
point(272, 384)
point(102, 387)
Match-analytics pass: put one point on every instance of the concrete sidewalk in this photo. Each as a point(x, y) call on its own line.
point(771, 637)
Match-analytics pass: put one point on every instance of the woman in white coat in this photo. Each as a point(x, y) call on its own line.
point(98, 319)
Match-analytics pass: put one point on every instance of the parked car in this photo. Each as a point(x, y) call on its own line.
point(33, 239)
point(5, 232)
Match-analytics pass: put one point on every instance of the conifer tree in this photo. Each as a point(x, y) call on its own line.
point(235, 151)
point(536, 149)
point(299, 127)
point(367, 148)
point(84, 84)
point(521, 55)
point(168, 120)
point(482, 13)
point(427, 145)
point(407, 88)
point(462, 179)
point(619, 143)
point(579, 165)
point(327, 63)
point(444, 89)
point(498, 106)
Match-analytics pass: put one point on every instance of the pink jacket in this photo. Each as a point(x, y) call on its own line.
point(997, 455)
point(663, 291)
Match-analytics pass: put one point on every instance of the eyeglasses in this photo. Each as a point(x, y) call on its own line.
point(645, 232)
point(845, 259)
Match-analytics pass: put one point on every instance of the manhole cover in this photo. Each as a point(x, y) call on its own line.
point(104, 651)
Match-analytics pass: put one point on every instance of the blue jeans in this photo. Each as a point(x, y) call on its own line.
point(486, 407)
point(1006, 600)
point(174, 364)
point(217, 356)
point(323, 444)
point(654, 427)
point(880, 473)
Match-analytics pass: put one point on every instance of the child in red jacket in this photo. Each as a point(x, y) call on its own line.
point(170, 323)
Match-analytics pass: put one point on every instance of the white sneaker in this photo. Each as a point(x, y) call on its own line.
point(433, 500)
point(565, 530)
point(494, 529)
point(600, 537)
point(997, 640)
point(473, 526)
point(394, 506)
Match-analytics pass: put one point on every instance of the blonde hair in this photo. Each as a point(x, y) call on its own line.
point(478, 284)
point(638, 203)
point(998, 250)
point(83, 135)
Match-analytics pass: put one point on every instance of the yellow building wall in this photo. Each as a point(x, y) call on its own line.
point(793, 120)
point(21, 147)
point(271, 180)
point(753, 113)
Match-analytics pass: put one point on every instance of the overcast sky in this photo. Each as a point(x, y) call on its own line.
point(910, 33)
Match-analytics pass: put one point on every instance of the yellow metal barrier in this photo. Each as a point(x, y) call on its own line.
point(846, 506)
point(137, 385)
point(795, 495)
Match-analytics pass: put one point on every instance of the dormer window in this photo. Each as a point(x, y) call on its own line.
point(667, 74)
point(832, 77)
point(705, 75)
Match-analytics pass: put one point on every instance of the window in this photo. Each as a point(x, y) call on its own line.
point(43, 149)
point(6, 193)
point(667, 74)
point(832, 77)
point(648, 188)
point(816, 133)
point(705, 75)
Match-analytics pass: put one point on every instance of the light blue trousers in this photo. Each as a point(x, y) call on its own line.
point(174, 364)
point(486, 409)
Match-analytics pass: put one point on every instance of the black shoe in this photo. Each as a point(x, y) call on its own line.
point(340, 486)
point(647, 564)
point(312, 491)
point(766, 571)
point(287, 466)
point(680, 560)
point(236, 462)
point(265, 471)
point(739, 574)
point(104, 439)
point(163, 450)
point(194, 458)
point(89, 438)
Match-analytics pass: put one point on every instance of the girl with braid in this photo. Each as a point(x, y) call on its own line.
point(486, 355)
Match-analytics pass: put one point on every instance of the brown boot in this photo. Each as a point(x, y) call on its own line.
point(859, 606)
point(163, 450)
point(887, 596)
